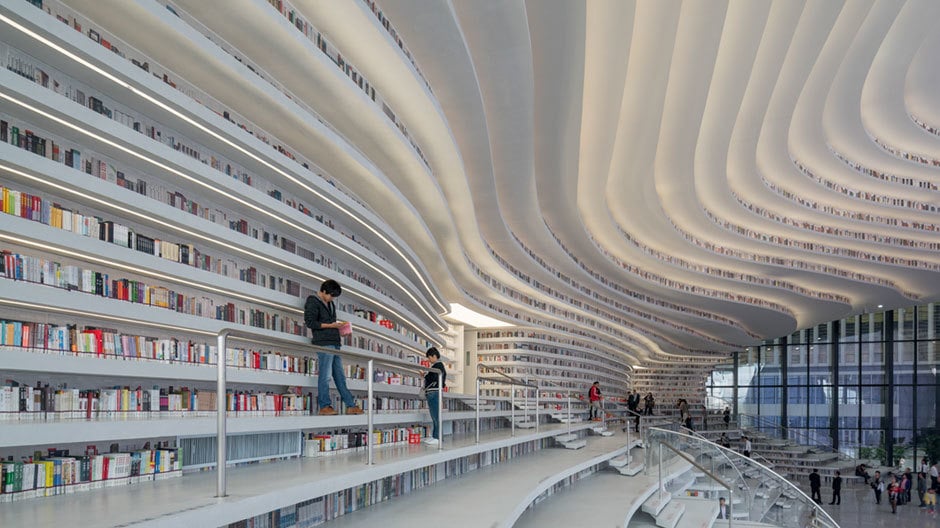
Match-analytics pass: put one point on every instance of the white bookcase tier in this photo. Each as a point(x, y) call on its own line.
point(223, 74)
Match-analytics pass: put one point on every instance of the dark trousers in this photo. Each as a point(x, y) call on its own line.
point(815, 494)
point(836, 496)
point(877, 496)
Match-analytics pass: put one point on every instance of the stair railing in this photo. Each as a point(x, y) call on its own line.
point(503, 379)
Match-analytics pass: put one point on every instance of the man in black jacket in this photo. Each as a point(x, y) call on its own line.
point(837, 489)
point(433, 385)
point(320, 317)
point(814, 484)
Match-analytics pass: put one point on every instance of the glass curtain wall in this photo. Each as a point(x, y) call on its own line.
point(867, 385)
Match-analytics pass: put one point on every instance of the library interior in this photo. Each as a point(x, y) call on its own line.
point(332, 243)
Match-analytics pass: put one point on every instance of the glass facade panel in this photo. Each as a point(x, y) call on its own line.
point(875, 378)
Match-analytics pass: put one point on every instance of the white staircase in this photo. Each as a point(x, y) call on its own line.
point(563, 417)
point(570, 441)
point(670, 515)
point(633, 468)
point(601, 430)
point(621, 461)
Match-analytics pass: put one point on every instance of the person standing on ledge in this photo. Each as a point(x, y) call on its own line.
point(594, 395)
point(320, 318)
point(432, 391)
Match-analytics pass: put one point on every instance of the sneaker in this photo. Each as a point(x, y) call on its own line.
point(353, 410)
point(327, 411)
point(431, 441)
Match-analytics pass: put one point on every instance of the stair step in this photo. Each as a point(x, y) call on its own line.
point(574, 444)
point(620, 461)
point(633, 469)
point(670, 515)
point(657, 501)
point(566, 437)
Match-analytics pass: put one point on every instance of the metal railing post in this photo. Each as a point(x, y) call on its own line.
point(568, 396)
point(661, 487)
point(370, 437)
point(525, 402)
point(730, 505)
point(512, 411)
point(536, 408)
point(221, 409)
point(440, 413)
point(478, 409)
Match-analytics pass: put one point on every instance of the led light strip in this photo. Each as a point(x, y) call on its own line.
point(246, 152)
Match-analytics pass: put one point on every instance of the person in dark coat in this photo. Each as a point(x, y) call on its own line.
point(837, 489)
point(814, 484)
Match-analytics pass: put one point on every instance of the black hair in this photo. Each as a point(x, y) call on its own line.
point(433, 352)
point(331, 287)
point(596, 382)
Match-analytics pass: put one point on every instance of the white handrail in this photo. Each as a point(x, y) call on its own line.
point(391, 363)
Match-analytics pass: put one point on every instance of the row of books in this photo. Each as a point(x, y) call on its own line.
point(34, 70)
point(325, 443)
point(29, 206)
point(36, 208)
point(108, 171)
point(23, 402)
point(47, 272)
point(59, 473)
point(93, 341)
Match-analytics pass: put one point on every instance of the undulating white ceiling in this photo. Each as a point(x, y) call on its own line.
point(661, 177)
point(707, 174)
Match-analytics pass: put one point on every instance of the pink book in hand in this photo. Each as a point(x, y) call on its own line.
point(346, 329)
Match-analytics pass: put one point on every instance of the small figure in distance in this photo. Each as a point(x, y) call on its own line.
point(727, 417)
point(594, 395)
point(432, 391)
point(723, 512)
point(320, 318)
point(724, 441)
point(836, 489)
point(862, 471)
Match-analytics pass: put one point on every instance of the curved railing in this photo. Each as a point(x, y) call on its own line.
point(773, 498)
point(786, 433)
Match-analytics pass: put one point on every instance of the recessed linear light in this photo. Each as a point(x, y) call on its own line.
point(466, 316)
point(241, 149)
point(881, 306)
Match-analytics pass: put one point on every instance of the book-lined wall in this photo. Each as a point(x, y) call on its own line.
point(563, 367)
point(129, 236)
point(668, 384)
point(217, 157)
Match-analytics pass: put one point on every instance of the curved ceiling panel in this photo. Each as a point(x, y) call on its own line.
point(659, 179)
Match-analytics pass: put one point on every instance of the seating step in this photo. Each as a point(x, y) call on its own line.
point(657, 501)
point(566, 437)
point(670, 515)
point(633, 469)
point(525, 425)
point(574, 444)
point(620, 461)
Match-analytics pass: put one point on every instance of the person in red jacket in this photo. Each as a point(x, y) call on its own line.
point(595, 396)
